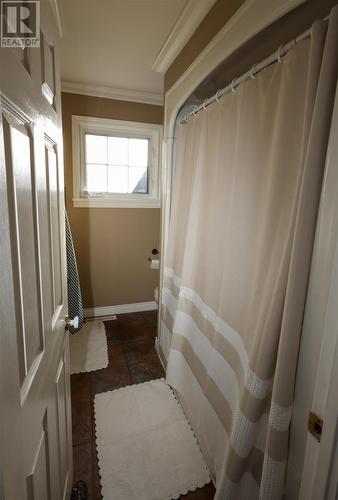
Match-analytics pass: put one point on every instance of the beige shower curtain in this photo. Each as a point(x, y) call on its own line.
point(245, 200)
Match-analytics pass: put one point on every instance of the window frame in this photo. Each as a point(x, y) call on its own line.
point(82, 125)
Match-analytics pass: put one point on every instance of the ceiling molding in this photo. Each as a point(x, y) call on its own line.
point(188, 21)
point(57, 14)
point(113, 93)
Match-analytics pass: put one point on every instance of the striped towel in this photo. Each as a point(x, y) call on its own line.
point(75, 306)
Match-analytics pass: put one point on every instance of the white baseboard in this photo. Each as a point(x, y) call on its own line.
point(94, 312)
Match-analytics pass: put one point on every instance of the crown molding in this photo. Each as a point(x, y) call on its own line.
point(188, 21)
point(113, 93)
point(57, 14)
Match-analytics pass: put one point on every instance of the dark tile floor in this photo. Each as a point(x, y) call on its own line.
point(132, 360)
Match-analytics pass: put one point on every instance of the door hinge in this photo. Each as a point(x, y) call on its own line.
point(315, 425)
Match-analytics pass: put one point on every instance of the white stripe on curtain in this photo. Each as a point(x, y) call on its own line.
point(259, 388)
point(220, 326)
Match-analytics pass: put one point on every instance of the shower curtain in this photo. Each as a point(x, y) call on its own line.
point(246, 192)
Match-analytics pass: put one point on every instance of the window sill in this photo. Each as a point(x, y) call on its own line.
point(116, 203)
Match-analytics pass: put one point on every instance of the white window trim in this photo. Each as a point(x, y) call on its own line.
point(86, 124)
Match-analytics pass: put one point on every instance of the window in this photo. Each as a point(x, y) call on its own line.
point(115, 163)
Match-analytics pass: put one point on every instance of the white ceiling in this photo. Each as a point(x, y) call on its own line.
point(113, 43)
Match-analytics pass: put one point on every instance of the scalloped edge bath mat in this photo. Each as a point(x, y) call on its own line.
point(145, 446)
point(88, 348)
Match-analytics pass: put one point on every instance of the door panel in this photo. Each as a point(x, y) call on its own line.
point(38, 482)
point(53, 212)
point(62, 410)
point(48, 76)
point(34, 364)
point(18, 158)
point(12, 483)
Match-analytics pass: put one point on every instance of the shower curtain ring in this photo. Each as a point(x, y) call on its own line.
point(218, 94)
point(204, 103)
point(279, 54)
point(195, 110)
point(252, 72)
point(233, 85)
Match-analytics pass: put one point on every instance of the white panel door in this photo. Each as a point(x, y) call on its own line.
point(35, 447)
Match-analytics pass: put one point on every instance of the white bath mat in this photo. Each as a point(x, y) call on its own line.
point(146, 448)
point(88, 348)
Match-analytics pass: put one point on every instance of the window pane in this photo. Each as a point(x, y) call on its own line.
point(138, 180)
point(138, 152)
point(96, 178)
point(96, 148)
point(118, 150)
point(117, 179)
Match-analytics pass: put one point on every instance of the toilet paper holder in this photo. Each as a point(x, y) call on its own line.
point(150, 260)
point(154, 252)
point(154, 263)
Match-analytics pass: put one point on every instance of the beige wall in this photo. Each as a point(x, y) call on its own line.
point(216, 18)
point(256, 49)
point(112, 244)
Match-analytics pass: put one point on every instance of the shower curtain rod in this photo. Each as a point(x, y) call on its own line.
point(256, 68)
